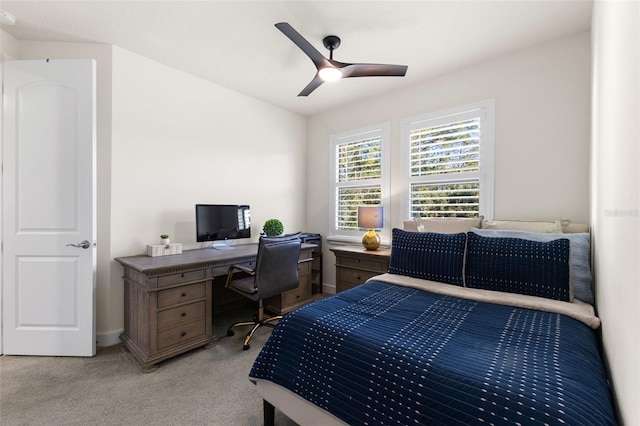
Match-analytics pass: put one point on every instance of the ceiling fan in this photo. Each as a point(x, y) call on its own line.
point(330, 70)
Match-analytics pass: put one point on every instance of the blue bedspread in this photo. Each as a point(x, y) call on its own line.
point(386, 354)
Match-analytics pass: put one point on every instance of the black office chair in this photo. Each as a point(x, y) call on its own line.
point(276, 271)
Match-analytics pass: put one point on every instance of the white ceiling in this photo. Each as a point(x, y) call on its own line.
point(235, 43)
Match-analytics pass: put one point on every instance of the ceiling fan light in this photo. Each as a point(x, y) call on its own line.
point(330, 74)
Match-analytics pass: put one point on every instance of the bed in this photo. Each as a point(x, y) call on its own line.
point(483, 326)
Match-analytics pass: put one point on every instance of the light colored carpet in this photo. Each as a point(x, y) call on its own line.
point(201, 387)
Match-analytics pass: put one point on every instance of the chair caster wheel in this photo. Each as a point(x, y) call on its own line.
point(230, 332)
point(245, 347)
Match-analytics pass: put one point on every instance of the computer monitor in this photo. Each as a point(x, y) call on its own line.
point(221, 222)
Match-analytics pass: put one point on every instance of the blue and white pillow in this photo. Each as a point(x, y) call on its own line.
point(516, 265)
point(428, 255)
point(580, 274)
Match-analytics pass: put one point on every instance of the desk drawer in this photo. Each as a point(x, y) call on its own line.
point(304, 268)
point(183, 277)
point(181, 333)
point(180, 315)
point(354, 276)
point(297, 295)
point(181, 294)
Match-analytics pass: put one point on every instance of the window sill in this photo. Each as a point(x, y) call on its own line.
point(339, 240)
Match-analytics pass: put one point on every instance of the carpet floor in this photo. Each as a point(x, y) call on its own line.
point(201, 387)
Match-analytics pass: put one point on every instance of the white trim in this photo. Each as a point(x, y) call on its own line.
point(328, 288)
point(487, 160)
point(108, 339)
point(384, 131)
point(486, 110)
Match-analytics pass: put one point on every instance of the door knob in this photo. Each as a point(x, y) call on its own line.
point(84, 244)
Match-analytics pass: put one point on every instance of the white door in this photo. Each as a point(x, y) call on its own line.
point(48, 297)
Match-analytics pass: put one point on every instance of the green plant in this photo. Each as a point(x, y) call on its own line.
point(164, 236)
point(273, 228)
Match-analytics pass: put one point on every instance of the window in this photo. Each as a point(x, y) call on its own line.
point(449, 162)
point(361, 178)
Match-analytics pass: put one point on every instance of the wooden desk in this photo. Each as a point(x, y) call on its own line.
point(355, 265)
point(168, 300)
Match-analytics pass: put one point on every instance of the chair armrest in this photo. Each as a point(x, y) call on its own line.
point(232, 268)
point(243, 269)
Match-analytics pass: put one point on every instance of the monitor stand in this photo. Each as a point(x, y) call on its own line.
point(221, 245)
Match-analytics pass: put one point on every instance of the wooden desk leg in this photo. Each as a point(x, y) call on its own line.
point(212, 343)
point(149, 368)
point(269, 413)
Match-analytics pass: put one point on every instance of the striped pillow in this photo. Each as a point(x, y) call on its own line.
point(580, 276)
point(516, 265)
point(428, 255)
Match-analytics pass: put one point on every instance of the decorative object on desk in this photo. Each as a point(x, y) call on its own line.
point(273, 228)
point(154, 250)
point(164, 239)
point(370, 217)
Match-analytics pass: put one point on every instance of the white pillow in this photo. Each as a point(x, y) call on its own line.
point(447, 225)
point(553, 227)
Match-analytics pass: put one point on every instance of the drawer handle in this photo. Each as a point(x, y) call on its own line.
point(184, 294)
point(184, 314)
point(184, 333)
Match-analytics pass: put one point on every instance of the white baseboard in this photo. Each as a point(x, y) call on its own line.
point(108, 339)
point(328, 288)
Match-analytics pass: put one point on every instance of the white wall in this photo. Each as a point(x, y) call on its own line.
point(542, 100)
point(615, 205)
point(9, 46)
point(178, 140)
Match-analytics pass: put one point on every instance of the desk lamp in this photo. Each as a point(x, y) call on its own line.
point(370, 217)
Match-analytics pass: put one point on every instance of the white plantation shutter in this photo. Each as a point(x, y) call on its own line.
point(359, 160)
point(459, 199)
point(347, 201)
point(361, 169)
point(449, 159)
point(450, 148)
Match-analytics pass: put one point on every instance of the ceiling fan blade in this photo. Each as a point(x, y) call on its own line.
point(313, 54)
point(313, 85)
point(373, 70)
point(348, 70)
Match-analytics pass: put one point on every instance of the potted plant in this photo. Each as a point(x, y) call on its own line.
point(164, 239)
point(273, 228)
